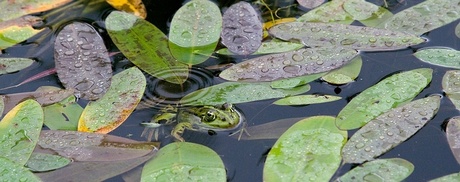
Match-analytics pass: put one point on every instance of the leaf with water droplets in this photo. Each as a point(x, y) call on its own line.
point(12, 171)
point(306, 99)
point(331, 11)
point(394, 169)
point(445, 57)
point(289, 64)
point(135, 7)
point(451, 86)
point(350, 36)
point(63, 115)
point(453, 136)
point(17, 30)
point(424, 17)
point(308, 151)
point(360, 9)
point(19, 131)
point(345, 74)
point(9, 65)
point(296, 81)
point(237, 92)
point(146, 46)
point(111, 110)
point(82, 62)
point(267, 25)
point(377, 18)
point(195, 31)
point(40, 162)
point(269, 48)
point(183, 161)
point(241, 29)
point(82, 146)
point(447, 178)
point(389, 130)
point(388, 93)
point(18, 8)
point(310, 4)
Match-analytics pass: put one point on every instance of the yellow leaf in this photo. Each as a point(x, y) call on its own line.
point(135, 7)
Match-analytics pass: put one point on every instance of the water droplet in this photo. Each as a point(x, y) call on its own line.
point(319, 62)
point(372, 40)
point(240, 39)
point(292, 69)
point(70, 39)
point(297, 57)
point(186, 34)
point(69, 52)
point(359, 145)
point(348, 41)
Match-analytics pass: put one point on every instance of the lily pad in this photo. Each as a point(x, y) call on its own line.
point(135, 7)
point(12, 171)
point(9, 65)
point(183, 161)
point(331, 11)
point(289, 64)
point(451, 86)
point(296, 81)
point(453, 136)
point(193, 40)
point(308, 151)
point(269, 48)
point(241, 29)
point(445, 57)
point(447, 178)
point(145, 46)
point(360, 9)
point(350, 36)
point(82, 61)
point(345, 74)
point(389, 130)
point(394, 169)
point(63, 115)
point(18, 8)
point(111, 110)
point(388, 93)
point(310, 4)
point(40, 162)
point(17, 30)
point(306, 99)
point(377, 18)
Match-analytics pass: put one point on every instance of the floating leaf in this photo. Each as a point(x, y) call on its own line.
point(39, 162)
point(33, 78)
point(445, 57)
point(183, 161)
point(12, 171)
point(394, 169)
point(193, 40)
point(453, 136)
point(388, 93)
point(289, 64)
point(360, 9)
point(377, 18)
point(63, 115)
point(451, 87)
point(269, 48)
point(307, 151)
point(17, 30)
point(331, 11)
point(135, 7)
point(145, 46)
point(241, 29)
point(424, 17)
point(111, 110)
point(306, 99)
point(355, 37)
point(18, 8)
point(389, 130)
point(457, 30)
point(296, 81)
point(82, 146)
point(310, 4)
point(345, 74)
point(19, 131)
point(447, 178)
point(236, 92)
point(9, 65)
point(270, 130)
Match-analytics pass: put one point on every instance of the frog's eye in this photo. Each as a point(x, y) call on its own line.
point(209, 116)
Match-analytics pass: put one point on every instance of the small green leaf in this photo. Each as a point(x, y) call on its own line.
point(269, 48)
point(306, 99)
point(307, 151)
point(182, 161)
point(388, 93)
point(9, 65)
point(451, 87)
point(394, 169)
point(445, 57)
point(40, 162)
point(193, 40)
point(389, 130)
point(17, 30)
point(447, 178)
point(63, 115)
point(13, 171)
point(345, 74)
point(145, 46)
point(453, 136)
point(331, 11)
point(296, 81)
point(360, 9)
point(377, 17)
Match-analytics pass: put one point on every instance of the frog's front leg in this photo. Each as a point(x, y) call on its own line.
point(179, 130)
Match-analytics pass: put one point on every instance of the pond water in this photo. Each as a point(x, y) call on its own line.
point(427, 150)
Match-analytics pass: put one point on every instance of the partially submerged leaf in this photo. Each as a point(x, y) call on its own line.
point(183, 161)
point(457, 30)
point(306, 99)
point(331, 11)
point(310, 4)
point(350, 36)
point(360, 9)
point(111, 110)
point(451, 86)
point(445, 57)
point(241, 29)
point(193, 40)
point(40, 162)
point(389, 130)
point(63, 115)
point(9, 65)
point(394, 169)
point(453, 136)
point(135, 7)
point(345, 74)
point(377, 17)
point(145, 46)
point(18, 8)
point(13, 171)
point(289, 64)
point(17, 30)
point(388, 93)
point(447, 178)
point(269, 48)
point(296, 81)
point(308, 151)
point(270, 130)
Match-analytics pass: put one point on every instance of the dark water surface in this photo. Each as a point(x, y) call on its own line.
point(427, 150)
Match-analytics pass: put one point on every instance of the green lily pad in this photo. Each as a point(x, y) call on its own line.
point(447, 178)
point(360, 9)
point(63, 115)
point(145, 46)
point(453, 136)
point(18, 8)
point(451, 86)
point(388, 93)
point(296, 81)
point(308, 151)
point(182, 161)
point(345, 74)
point(269, 48)
point(9, 65)
point(445, 57)
point(193, 40)
point(389, 130)
point(289, 64)
point(331, 11)
point(350, 36)
point(40, 162)
point(394, 169)
point(306, 99)
point(17, 30)
point(12, 171)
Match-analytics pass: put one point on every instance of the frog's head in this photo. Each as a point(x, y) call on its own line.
point(222, 116)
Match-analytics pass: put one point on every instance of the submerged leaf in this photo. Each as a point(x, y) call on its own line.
point(355, 37)
point(270, 130)
point(18, 8)
point(63, 115)
point(111, 110)
point(331, 11)
point(308, 151)
point(445, 57)
point(135, 7)
point(269, 48)
point(241, 29)
point(193, 40)
point(306, 99)
point(388, 93)
point(9, 65)
point(389, 130)
point(17, 30)
point(451, 87)
point(13, 171)
point(40, 162)
point(394, 169)
point(289, 64)
point(145, 46)
point(345, 74)
point(453, 136)
point(183, 161)
point(82, 62)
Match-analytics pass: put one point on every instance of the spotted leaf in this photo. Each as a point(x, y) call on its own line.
point(394, 169)
point(445, 57)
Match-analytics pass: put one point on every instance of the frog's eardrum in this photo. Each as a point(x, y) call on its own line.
point(242, 29)
point(82, 62)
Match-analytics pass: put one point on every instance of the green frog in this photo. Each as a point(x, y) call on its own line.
point(200, 118)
